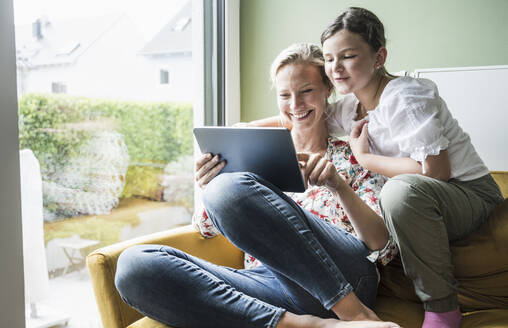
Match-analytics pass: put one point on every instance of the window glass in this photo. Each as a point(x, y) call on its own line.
point(108, 153)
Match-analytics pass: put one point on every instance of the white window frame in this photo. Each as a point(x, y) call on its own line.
point(208, 103)
point(232, 62)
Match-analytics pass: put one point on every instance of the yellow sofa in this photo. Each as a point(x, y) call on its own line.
point(481, 266)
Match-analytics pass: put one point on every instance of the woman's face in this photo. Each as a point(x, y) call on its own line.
point(350, 62)
point(301, 94)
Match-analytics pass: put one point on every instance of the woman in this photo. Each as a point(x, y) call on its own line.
point(312, 272)
point(440, 190)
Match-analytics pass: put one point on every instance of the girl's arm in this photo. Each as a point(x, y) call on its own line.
point(368, 225)
point(436, 166)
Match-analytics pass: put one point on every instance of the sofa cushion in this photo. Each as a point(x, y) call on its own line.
point(481, 267)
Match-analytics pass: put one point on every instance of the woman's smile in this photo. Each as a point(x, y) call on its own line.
point(301, 115)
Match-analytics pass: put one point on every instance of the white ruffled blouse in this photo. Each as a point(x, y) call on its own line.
point(411, 120)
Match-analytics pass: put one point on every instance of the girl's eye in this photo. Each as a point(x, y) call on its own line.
point(349, 57)
point(328, 60)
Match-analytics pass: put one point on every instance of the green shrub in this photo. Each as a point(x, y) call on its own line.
point(55, 128)
point(143, 181)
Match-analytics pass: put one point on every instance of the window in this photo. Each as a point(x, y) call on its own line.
point(164, 76)
point(88, 147)
point(115, 152)
point(58, 87)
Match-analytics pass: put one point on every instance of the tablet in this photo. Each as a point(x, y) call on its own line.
point(268, 152)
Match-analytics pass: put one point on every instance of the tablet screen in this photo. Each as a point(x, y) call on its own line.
point(268, 152)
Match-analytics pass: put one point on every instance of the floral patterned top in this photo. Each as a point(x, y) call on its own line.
point(321, 202)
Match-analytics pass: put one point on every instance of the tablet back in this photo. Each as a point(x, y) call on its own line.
point(268, 152)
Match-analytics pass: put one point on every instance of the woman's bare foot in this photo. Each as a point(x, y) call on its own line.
point(291, 320)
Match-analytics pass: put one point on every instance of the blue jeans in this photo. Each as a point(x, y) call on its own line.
point(309, 265)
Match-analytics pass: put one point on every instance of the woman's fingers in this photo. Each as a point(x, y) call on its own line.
point(201, 161)
point(207, 167)
point(304, 157)
point(212, 173)
point(315, 176)
point(309, 165)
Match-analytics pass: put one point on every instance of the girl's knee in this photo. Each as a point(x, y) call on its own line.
point(400, 195)
point(395, 191)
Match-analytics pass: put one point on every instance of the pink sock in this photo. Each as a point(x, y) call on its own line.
point(442, 320)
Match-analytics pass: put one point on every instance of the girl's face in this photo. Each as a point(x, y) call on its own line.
point(350, 62)
point(301, 94)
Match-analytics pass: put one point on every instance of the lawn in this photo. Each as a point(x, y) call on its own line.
point(104, 228)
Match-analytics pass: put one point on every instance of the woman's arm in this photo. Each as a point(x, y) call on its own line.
point(369, 226)
point(436, 166)
point(273, 121)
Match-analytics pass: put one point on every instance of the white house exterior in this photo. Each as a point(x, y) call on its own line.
point(105, 57)
point(170, 53)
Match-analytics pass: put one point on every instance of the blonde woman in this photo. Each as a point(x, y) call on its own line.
point(315, 251)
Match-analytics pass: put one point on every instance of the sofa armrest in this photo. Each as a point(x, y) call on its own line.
point(102, 266)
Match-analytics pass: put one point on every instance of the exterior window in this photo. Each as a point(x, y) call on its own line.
point(164, 76)
point(110, 151)
point(58, 87)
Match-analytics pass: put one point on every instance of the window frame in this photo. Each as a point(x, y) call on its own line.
point(12, 300)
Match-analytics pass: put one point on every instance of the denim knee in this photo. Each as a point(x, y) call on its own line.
point(130, 271)
point(224, 194)
point(124, 270)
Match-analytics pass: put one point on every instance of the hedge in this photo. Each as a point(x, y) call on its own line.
point(55, 128)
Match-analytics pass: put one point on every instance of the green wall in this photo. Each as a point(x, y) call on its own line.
point(420, 34)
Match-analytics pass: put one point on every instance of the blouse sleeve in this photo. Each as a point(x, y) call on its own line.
point(203, 224)
point(418, 130)
point(385, 255)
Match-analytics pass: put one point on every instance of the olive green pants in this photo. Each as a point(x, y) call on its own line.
point(424, 215)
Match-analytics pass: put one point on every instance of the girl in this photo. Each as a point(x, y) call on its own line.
point(312, 270)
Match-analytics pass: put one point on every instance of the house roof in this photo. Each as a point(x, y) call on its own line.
point(174, 37)
point(62, 42)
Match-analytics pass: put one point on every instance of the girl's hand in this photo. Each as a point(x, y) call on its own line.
point(319, 171)
point(207, 167)
point(358, 139)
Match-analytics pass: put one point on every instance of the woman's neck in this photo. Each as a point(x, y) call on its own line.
point(312, 140)
point(369, 95)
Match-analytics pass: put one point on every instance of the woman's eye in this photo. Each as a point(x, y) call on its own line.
point(307, 90)
point(284, 95)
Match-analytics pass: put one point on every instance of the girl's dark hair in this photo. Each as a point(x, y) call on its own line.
point(362, 22)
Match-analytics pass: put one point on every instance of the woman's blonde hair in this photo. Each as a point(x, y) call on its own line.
point(306, 53)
